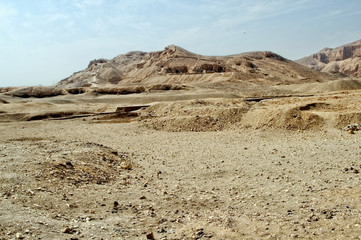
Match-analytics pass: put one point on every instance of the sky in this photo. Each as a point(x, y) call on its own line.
point(45, 41)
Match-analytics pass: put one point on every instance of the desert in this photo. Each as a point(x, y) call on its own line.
point(176, 145)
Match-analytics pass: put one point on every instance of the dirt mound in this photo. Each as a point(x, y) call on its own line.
point(289, 118)
point(76, 91)
point(344, 119)
point(212, 115)
point(196, 115)
point(123, 90)
point(90, 163)
point(7, 89)
point(288, 113)
point(332, 86)
point(38, 92)
point(81, 163)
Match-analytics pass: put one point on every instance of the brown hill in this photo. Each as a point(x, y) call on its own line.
point(176, 65)
point(344, 60)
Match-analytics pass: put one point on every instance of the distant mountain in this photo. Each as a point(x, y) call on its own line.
point(345, 60)
point(177, 65)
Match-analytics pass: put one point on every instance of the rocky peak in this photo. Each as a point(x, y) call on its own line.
point(345, 60)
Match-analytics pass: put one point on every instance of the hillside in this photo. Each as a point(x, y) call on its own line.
point(345, 60)
point(177, 65)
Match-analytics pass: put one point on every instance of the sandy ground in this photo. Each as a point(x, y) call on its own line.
point(200, 168)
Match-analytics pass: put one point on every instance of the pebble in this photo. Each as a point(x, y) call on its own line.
point(19, 236)
point(150, 236)
point(68, 230)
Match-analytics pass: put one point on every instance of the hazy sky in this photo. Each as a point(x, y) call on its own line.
point(44, 41)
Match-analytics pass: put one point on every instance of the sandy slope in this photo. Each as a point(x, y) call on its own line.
point(177, 65)
point(194, 165)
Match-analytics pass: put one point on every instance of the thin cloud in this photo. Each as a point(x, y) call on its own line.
point(353, 13)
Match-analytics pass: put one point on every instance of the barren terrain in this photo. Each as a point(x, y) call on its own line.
point(343, 60)
point(188, 163)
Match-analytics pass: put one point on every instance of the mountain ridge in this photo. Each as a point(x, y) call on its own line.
point(344, 60)
point(177, 65)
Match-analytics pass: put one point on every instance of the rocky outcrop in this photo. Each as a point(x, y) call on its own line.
point(175, 65)
point(345, 60)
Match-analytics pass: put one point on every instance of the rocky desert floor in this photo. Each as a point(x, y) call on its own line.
point(188, 165)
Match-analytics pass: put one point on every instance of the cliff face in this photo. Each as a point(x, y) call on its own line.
point(344, 60)
point(177, 65)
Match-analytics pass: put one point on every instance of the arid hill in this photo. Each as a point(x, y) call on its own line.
point(345, 60)
point(177, 65)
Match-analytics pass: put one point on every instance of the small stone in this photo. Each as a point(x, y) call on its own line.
point(69, 164)
point(126, 165)
point(150, 236)
point(162, 231)
point(142, 197)
point(19, 236)
point(200, 232)
point(68, 230)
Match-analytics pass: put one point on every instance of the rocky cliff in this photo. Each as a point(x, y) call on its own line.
point(177, 65)
point(345, 60)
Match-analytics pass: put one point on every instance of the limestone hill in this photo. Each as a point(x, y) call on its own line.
point(175, 65)
point(345, 60)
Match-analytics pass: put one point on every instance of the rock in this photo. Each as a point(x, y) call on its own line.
point(150, 236)
point(200, 232)
point(69, 230)
point(69, 164)
point(351, 128)
point(126, 165)
point(162, 231)
point(115, 207)
point(19, 236)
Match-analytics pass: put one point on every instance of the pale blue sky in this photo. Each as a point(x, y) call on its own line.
point(44, 41)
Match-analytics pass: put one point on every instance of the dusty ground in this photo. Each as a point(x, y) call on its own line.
point(207, 166)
